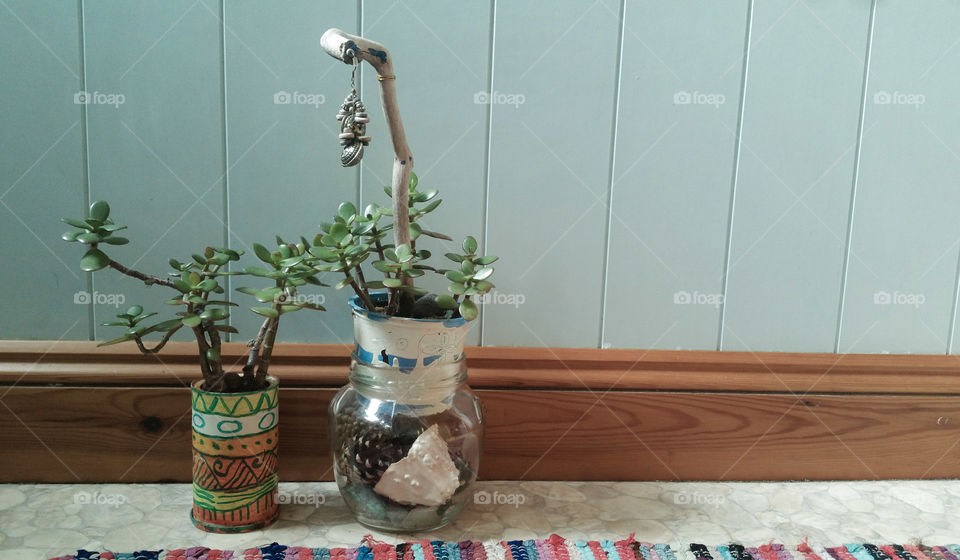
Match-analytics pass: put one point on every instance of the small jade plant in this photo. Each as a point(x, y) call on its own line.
point(353, 237)
point(199, 295)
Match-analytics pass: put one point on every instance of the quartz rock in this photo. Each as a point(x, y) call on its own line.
point(427, 476)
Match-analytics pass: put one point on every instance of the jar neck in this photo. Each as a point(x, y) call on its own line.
point(423, 386)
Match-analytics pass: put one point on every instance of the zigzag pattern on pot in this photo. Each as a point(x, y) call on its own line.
point(234, 405)
point(213, 472)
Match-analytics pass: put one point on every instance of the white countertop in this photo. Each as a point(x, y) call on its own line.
point(38, 521)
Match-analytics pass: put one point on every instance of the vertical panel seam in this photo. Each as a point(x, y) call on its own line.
point(856, 177)
point(225, 142)
point(485, 181)
point(736, 173)
point(84, 159)
point(953, 314)
point(608, 226)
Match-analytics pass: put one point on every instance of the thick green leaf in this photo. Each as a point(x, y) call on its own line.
point(270, 294)
point(94, 259)
point(258, 271)
point(375, 285)
point(483, 286)
point(221, 302)
point(116, 240)
point(248, 291)
point(489, 259)
point(71, 235)
point(262, 253)
point(343, 283)
point(89, 237)
point(123, 338)
point(391, 255)
point(415, 231)
point(213, 355)
point(214, 314)
point(454, 257)
point(99, 210)
point(266, 312)
point(403, 253)
point(468, 310)
point(207, 285)
point(384, 266)
point(346, 210)
point(432, 206)
point(455, 276)
point(389, 191)
point(175, 264)
point(457, 288)
point(483, 273)
point(446, 302)
point(191, 321)
point(467, 267)
point(227, 328)
point(134, 310)
point(199, 259)
point(392, 282)
point(290, 308)
point(470, 245)
point(414, 181)
point(414, 290)
point(76, 223)
point(179, 284)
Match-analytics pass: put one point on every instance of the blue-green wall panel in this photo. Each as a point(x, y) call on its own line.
point(41, 170)
point(158, 157)
point(284, 171)
point(679, 99)
point(550, 169)
point(798, 145)
point(200, 152)
point(903, 265)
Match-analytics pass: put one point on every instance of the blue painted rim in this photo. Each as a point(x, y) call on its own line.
point(381, 298)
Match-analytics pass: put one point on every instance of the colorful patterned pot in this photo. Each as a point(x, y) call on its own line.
point(234, 459)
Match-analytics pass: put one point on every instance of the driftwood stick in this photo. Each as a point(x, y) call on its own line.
point(348, 48)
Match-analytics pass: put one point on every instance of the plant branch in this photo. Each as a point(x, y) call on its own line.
point(161, 344)
point(147, 279)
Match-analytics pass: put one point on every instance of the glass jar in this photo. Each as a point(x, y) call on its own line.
point(406, 432)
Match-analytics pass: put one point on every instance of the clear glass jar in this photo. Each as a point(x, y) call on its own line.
point(406, 447)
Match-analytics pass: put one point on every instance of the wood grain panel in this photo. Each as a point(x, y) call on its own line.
point(318, 365)
point(142, 434)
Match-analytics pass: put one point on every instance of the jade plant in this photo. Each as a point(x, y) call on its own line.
point(353, 237)
point(198, 294)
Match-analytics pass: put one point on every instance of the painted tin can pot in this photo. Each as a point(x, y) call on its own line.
point(234, 459)
point(407, 432)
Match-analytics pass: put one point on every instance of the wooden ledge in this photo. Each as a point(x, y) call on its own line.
point(33, 363)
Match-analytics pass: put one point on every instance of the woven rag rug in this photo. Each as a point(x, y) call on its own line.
point(554, 548)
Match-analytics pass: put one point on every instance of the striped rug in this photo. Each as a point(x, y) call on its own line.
point(554, 548)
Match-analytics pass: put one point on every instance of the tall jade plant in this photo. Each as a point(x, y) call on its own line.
point(354, 237)
point(198, 294)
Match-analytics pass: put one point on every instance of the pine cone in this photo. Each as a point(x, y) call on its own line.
point(375, 450)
